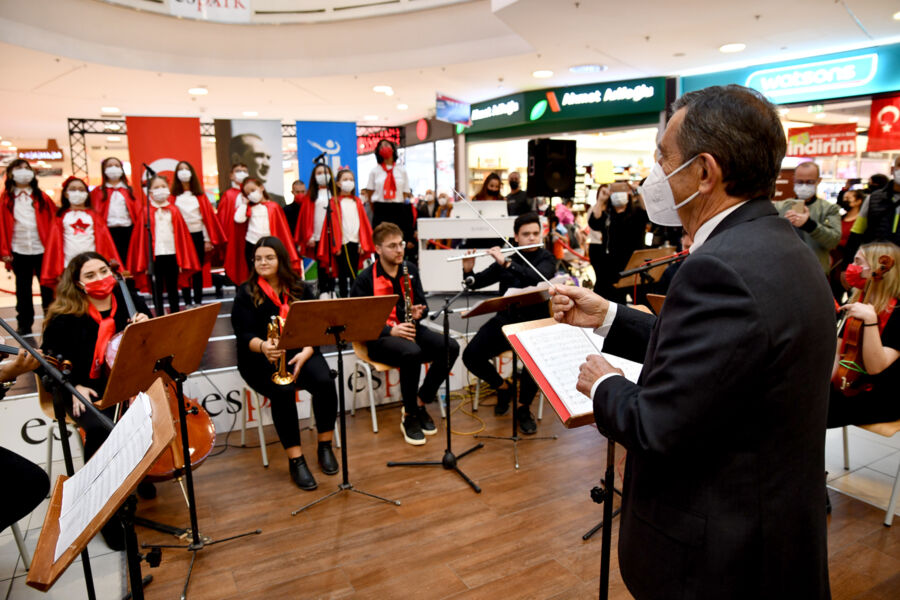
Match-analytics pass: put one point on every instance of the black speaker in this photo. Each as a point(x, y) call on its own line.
point(551, 168)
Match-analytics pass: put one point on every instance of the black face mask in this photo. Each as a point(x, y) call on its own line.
point(493, 193)
point(513, 185)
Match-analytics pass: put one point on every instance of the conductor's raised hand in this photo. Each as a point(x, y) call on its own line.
point(578, 306)
point(591, 370)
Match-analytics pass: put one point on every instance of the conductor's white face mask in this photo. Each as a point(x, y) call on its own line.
point(659, 199)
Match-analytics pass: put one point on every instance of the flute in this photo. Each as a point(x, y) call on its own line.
point(503, 250)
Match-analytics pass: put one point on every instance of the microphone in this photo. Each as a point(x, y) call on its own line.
point(320, 158)
point(149, 170)
point(469, 281)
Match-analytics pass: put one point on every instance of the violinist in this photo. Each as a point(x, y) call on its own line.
point(875, 277)
point(88, 310)
point(272, 286)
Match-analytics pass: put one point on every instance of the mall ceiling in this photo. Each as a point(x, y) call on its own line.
point(307, 59)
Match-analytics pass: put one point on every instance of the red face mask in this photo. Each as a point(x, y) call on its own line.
point(386, 152)
point(100, 288)
point(854, 276)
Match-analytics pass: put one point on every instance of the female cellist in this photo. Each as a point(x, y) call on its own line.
point(267, 293)
point(875, 268)
point(88, 310)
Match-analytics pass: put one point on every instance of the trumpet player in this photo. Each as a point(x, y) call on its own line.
point(403, 342)
point(268, 292)
point(510, 271)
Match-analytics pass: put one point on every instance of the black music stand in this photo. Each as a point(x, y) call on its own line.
point(173, 344)
point(342, 320)
point(494, 305)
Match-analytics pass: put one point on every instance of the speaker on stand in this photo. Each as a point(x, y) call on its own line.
point(551, 168)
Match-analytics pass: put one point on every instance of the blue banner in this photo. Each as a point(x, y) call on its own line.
point(337, 140)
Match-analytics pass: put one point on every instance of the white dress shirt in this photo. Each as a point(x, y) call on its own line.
point(319, 215)
point(117, 216)
point(78, 234)
point(164, 234)
point(376, 183)
point(25, 238)
point(258, 225)
point(349, 220)
point(189, 206)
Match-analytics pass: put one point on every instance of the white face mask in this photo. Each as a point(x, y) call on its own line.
point(22, 176)
point(255, 196)
point(240, 176)
point(113, 172)
point(321, 179)
point(619, 199)
point(804, 191)
point(159, 195)
point(897, 176)
point(77, 197)
point(184, 175)
point(542, 207)
point(347, 186)
point(429, 197)
point(659, 199)
point(442, 201)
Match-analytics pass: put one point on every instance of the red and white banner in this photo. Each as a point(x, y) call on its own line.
point(884, 124)
point(161, 143)
point(822, 140)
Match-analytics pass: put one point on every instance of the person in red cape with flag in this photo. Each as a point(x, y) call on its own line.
point(256, 216)
point(174, 257)
point(77, 228)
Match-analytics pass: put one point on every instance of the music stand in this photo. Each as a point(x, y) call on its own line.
point(173, 344)
point(639, 258)
point(44, 569)
point(338, 321)
point(494, 305)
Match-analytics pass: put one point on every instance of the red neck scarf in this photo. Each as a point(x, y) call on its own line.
point(389, 191)
point(107, 328)
point(283, 305)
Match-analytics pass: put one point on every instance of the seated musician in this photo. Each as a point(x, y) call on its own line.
point(272, 286)
point(404, 342)
point(510, 271)
point(88, 310)
point(877, 402)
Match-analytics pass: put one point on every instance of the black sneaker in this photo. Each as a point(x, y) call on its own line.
point(504, 396)
point(327, 460)
point(412, 430)
point(425, 421)
point(301, 474)
point(526, 421)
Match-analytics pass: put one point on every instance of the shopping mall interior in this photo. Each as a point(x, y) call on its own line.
point(466, 127)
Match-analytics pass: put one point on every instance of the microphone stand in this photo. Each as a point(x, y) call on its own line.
point(158, 302)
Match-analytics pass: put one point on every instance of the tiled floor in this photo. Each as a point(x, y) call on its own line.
point(873, 465)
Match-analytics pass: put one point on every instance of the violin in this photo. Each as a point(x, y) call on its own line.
point(848, 377)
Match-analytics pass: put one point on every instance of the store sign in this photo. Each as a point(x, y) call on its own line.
point(498, 113)
point(223, 11)
point(367, 138)
point(452, 110)
point(822, 140)
point(884, 128)
point(856, 73)
point(51, 152)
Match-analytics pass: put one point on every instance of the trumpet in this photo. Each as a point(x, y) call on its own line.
point(273, 332)
point(406, 286)
point(503, 250)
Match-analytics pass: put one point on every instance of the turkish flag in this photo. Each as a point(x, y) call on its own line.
point(161, 143)
point(884, 124)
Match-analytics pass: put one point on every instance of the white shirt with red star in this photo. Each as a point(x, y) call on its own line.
point(78, 234)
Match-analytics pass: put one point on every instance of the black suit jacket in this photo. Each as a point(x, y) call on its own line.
point(725, 431)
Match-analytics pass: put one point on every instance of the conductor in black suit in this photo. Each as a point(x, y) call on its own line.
point(725, 430)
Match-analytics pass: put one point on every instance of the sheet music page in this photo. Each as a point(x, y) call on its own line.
point(559, 350)
point(85, 493)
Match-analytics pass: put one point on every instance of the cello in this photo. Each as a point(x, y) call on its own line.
point(849, 378)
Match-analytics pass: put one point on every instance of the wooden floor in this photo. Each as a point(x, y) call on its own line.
point(519, 538)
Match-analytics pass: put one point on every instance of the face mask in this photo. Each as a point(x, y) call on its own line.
point(100, 288)
point(386, 152)
point(321, 179)
point(854, 276)
point(184, 175)
point(23, 176)
point(77, 197)
point(255, 196)
point(429, 197)
point(159, 195)
point(897, 176)
point(240, 176)
point(493, 193)
point(658, 197)
point(804, 191)
point(442, 201)
point(541, 207)
point(513, 184)
point(113, 172)
point(348, 186)
point(619, 199)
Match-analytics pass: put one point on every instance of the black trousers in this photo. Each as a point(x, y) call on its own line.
point(314, 377)
point(165, 271)
point(348, 260)
point(30, 483)
point(481, 349)
point(25, 268)
point(196, 278)
point(863, 409)
point(122, 239)
point(249, 251)
point(409, 356)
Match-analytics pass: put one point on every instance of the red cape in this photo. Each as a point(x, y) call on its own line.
point(225, 208)
point(43, 210)
point(214, 228)
point(235, 263)
point(185, 254)
point(101, 207)
point(54, 249)
point(366, 245)
point(304, 229)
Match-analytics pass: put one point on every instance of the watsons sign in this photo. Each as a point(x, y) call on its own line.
point(838, 74)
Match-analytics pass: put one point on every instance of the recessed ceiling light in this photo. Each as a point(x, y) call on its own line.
point(198, 91)
point(370, 118)
point(542, 74)
point(820, 115)
point(587, 68)
point(251, 113)
point(402, 106)
point(383, 89)
point(730, 48)
point(6, 143)
point(12, 148)
point(110, 110)
point(113, 138)
point(897, 16)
